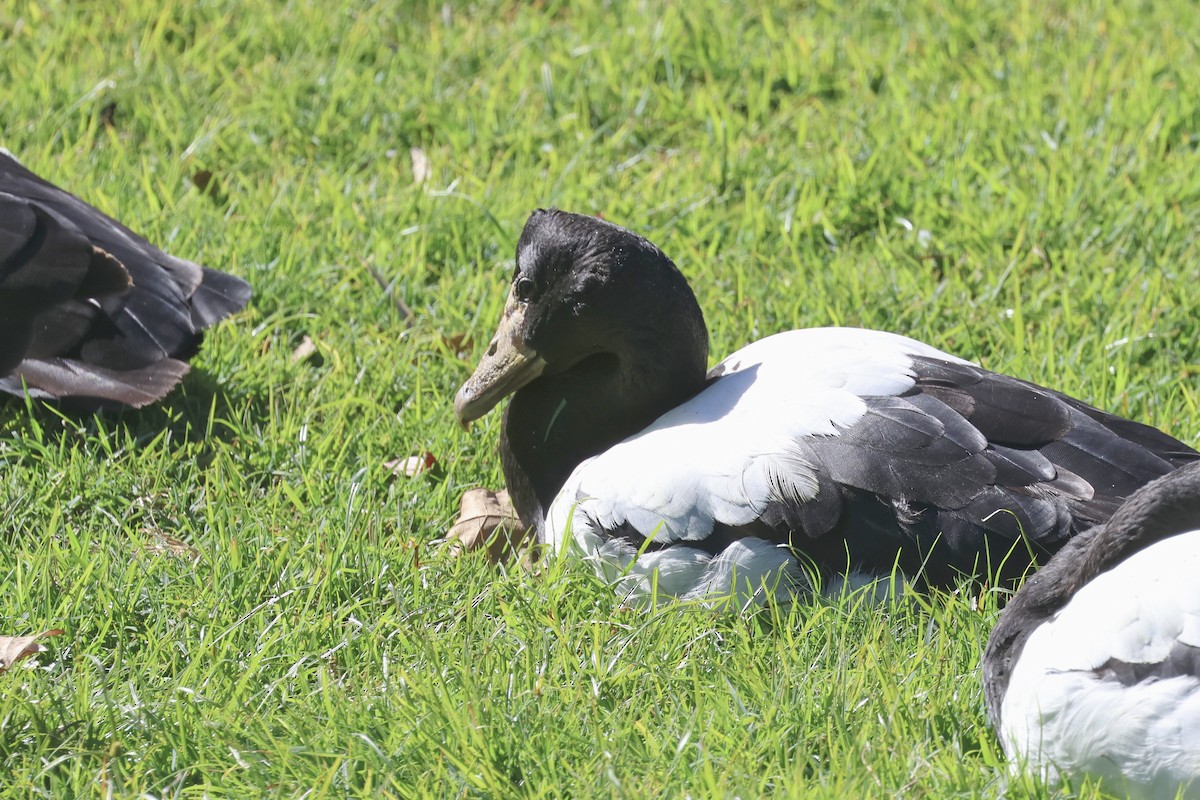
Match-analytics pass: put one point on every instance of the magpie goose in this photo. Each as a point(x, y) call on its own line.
point(90, 312)
point(1094, 667)
point(833, 452)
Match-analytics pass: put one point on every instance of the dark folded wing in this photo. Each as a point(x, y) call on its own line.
point(89, 310)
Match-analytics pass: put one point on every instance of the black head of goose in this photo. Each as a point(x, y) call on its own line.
point(90, 312)
point(845, 450)
point(1094, 668)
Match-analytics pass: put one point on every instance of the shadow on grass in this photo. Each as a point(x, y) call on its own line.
point(198, 410)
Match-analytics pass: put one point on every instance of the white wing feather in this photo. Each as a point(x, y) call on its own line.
point(1061, 716)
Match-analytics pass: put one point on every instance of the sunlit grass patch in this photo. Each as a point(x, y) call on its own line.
point(1016, 184)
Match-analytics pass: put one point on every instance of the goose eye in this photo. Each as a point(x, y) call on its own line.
point(523, 289)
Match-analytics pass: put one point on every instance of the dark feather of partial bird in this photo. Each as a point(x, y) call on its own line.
point(90, 312)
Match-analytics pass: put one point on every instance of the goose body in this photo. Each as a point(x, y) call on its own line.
point(832, 452)
point(90, 312)
point(1094, 669)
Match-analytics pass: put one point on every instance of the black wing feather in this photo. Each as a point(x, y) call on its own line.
point(89, 310)
point(1005, 410)
point(1114, 466)
point(968, 471)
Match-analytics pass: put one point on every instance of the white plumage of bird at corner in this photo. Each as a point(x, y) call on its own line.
point(1063, 714)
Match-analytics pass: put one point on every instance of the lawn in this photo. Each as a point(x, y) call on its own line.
point(253, 604)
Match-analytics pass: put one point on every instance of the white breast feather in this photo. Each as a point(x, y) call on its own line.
point(729, 451)
point(1060, 717)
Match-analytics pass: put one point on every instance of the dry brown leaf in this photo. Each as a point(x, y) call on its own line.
point(209, 184)
point(108, 114)
point(458, 343)
point(304, 350)
point(422, 170)
point(487, 521)
point(169, 545)
point(15, 648)
point(206, 182)
point(201, 179)
point(413, 465)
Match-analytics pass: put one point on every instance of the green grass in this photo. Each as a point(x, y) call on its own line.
point(1018, 183)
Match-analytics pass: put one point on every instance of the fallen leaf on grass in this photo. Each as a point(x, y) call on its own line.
point(305, 350)
point(202, 179)
point(487, 521)
point(422, 170)
point(170, 546)
point(15, 648)
point(210, 186)
point(458, 343)
point(108, 114)
point(413, 465)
